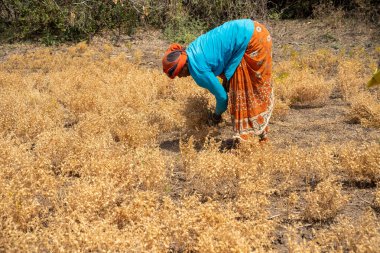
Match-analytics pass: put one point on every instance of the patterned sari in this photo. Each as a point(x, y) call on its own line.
point(250, 89)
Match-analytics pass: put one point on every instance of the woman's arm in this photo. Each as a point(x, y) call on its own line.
point(209, 81)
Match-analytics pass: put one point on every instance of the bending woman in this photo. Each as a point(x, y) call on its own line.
point(240, 52)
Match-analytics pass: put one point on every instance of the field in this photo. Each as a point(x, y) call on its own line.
point(100, 152)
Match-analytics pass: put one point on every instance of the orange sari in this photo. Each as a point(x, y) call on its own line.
point(250, 89)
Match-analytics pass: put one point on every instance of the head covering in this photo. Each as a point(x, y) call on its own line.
point(174, 60)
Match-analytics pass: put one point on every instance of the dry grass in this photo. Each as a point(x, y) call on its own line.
point(307, 79)
point(81, 168)
point(376, 200)
point(325, 202)
point(361, 163)
point(346, 235)
point(357, 235)
point(301, 87)
point(365, 109)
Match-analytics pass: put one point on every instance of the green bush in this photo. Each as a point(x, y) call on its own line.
point(66, 20)
point(184, 32)
point(286, 9)
point(220, 11)
point(54, 21)
point(184, 29)
point(183, 21)
point(27, 18)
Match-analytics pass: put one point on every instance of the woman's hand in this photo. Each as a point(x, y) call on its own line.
point(214, 119)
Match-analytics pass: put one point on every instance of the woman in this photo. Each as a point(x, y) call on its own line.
point(240, 52)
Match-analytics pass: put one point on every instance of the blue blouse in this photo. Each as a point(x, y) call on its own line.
point(219, 51)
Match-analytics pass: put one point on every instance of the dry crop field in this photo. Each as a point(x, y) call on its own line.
point(100, 154)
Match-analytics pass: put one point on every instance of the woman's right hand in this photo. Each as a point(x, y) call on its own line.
point(214, 119)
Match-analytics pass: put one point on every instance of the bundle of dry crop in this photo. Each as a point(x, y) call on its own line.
point(197, 111)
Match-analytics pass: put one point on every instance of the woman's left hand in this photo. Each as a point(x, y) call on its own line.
point(214, 119)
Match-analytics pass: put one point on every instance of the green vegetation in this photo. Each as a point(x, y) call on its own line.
point(52, 21)
point(56, 21)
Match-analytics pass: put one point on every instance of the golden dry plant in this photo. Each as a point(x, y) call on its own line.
point(365, 110)
point(323, 60)
point(211, 179)
point(308, 79)
point(84, 123)
point(325, 202)
point(349, 79)
point(376, 200)
point(83, 167)
point(357, 235)
point(360, 163)
point(300, 86)
point(298, 245)
point(353, 73)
